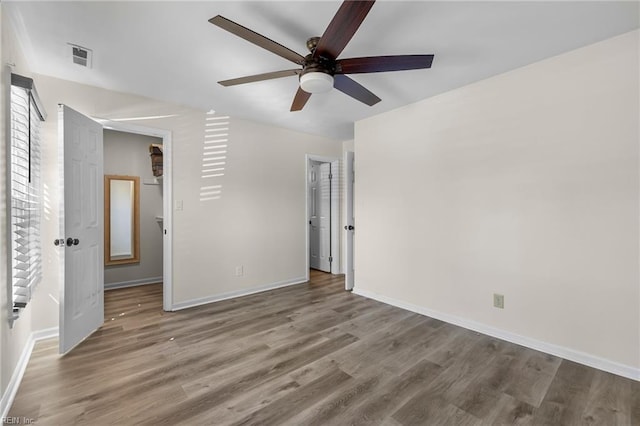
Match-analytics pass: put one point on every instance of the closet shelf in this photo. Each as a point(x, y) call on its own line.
point(154, 181)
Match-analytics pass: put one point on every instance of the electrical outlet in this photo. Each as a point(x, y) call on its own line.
point(179, 205)
point(239, 271)
point(498, 300)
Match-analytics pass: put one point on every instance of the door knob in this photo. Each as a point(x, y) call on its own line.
point(72, 242)
point(58, 242)
point(348, 228)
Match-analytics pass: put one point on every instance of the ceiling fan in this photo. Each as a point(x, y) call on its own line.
point(321, 70)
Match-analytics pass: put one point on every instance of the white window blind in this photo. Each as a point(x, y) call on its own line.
point(25, 194)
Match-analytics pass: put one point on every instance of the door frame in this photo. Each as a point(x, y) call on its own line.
point(167, 199)
point(334, 214)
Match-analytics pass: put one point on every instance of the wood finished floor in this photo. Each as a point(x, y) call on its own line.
point(310, 354)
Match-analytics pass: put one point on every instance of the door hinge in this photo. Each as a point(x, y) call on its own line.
point(330, 176)
point(330, 259)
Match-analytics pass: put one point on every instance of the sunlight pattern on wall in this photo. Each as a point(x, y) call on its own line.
point(46, 202)
point(214, 155)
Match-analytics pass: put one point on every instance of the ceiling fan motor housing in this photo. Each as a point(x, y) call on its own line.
point(319, 64)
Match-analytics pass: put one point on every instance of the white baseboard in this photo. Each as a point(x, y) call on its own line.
point(18, 372)
point(133, 283)
point(239, 293)
point(550, 348)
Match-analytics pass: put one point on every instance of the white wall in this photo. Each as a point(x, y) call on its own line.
point(128, 154)
point(524, 184)
point(259, 222)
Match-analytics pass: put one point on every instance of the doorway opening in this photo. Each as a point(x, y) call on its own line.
point(133, 221)
point(158, 210)
point(323, 214)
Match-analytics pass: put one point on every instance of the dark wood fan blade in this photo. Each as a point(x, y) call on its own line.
point(354, 89)
point(259, 77)
point(383, 64)
point(300, 100)
point(342, 28)
point(257, 39)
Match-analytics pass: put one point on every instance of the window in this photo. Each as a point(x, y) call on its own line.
point(25, 198)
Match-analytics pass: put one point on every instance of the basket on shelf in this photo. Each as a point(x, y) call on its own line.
point(156, 159)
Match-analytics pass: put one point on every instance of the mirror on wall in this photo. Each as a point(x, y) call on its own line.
point(121, 219)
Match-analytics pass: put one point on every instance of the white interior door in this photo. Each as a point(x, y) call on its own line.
point(350, 221)
point(336, 194)
point(324, 217)
point(320, 220)
point(81, 227)
point(314, 215)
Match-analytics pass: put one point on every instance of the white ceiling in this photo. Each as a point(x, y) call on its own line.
point(168, 50)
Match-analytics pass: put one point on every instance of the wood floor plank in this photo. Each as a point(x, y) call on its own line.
point(380, 344)
point(428, 405)
point(635, 403)
point(342, 400)
point(375, 318)
point(483, 393)
point(386, 400)
point(529, 382)
point(270, 363)
point(566, 399)
point(433, 336)
point(609, 401)
point(309, 354)
point(253, 400)
point(281, 410)
point(510, 411)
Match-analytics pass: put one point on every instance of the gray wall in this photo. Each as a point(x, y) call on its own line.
point(128, 154)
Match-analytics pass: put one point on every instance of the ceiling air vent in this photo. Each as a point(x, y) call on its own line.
point(81, 55)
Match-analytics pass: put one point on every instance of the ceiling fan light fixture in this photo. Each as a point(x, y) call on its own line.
point(316, 82)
